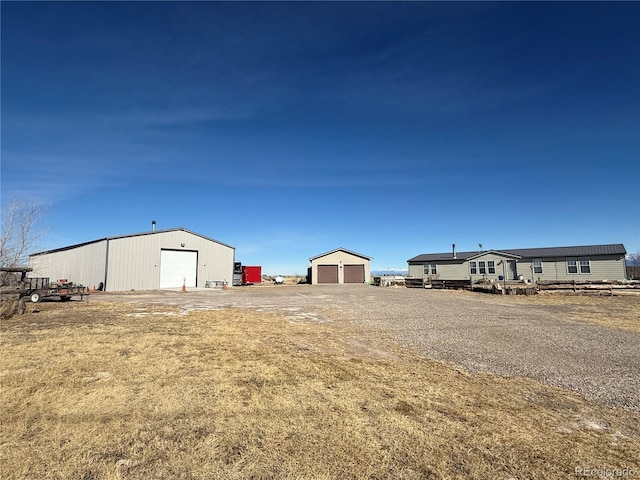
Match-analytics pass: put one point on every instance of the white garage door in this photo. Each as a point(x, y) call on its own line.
point(178, 267)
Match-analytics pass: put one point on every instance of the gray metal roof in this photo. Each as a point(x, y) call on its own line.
point(152, 232)
point(545, 252)
point(611, 249)
point(340, 250)
point(432, 257)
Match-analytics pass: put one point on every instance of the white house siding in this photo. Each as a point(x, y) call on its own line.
point(340, 258)
point(84, 264)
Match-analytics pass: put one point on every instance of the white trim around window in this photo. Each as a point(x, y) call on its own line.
point(429, 269)
point(537, 265)
point(585, 265)
point(578, 265)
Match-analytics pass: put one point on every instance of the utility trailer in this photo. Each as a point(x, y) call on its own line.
point(40, 287)
point(36, 288)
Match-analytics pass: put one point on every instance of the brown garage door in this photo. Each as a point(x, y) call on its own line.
point(327, 273)
point(354, 274)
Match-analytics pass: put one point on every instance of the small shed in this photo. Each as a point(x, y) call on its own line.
point(340, 266)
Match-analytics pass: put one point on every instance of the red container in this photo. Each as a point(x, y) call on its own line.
point(251, 274)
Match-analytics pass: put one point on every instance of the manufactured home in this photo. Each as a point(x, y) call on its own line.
point(143, 261)
point(589, 262)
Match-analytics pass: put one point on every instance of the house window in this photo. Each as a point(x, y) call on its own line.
point(482, 268)
point(584, 265)
point(472, 268)
point(537, 265)
point(430, 268)
point(491, 265)
point(572, 265)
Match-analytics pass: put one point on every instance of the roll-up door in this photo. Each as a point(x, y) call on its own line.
point(178, 267)
point(327, 273)
point(354, 274)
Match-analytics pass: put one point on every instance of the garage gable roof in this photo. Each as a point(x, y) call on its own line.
point(153, 232)
point(340, 250)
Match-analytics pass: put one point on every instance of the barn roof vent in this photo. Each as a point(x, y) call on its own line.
point(453, 248)
point(153, 225)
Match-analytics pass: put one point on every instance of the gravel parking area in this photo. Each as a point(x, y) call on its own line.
point(480, 333)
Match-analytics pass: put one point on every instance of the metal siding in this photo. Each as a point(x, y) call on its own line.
point(577, 251)
point(84, 265)
point(134, 262)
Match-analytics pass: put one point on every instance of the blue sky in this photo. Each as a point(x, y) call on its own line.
point(289, 129)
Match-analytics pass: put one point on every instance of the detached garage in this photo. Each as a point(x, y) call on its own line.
point(340, 266)
point(144, 261)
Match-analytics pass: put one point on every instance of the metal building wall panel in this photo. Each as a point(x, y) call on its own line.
point(134, 262)
point(83, 265)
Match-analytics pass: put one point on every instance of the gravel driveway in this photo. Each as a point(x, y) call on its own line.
point(478, 332)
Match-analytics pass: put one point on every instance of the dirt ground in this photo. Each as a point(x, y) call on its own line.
point(319, 382)
point(588, 345)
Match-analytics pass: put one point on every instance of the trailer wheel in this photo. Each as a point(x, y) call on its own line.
point(36, 297)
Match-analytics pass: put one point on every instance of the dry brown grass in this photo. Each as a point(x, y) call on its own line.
point(109, 391)
point(618, 311)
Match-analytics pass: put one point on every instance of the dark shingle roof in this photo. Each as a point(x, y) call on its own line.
point(545, 252)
